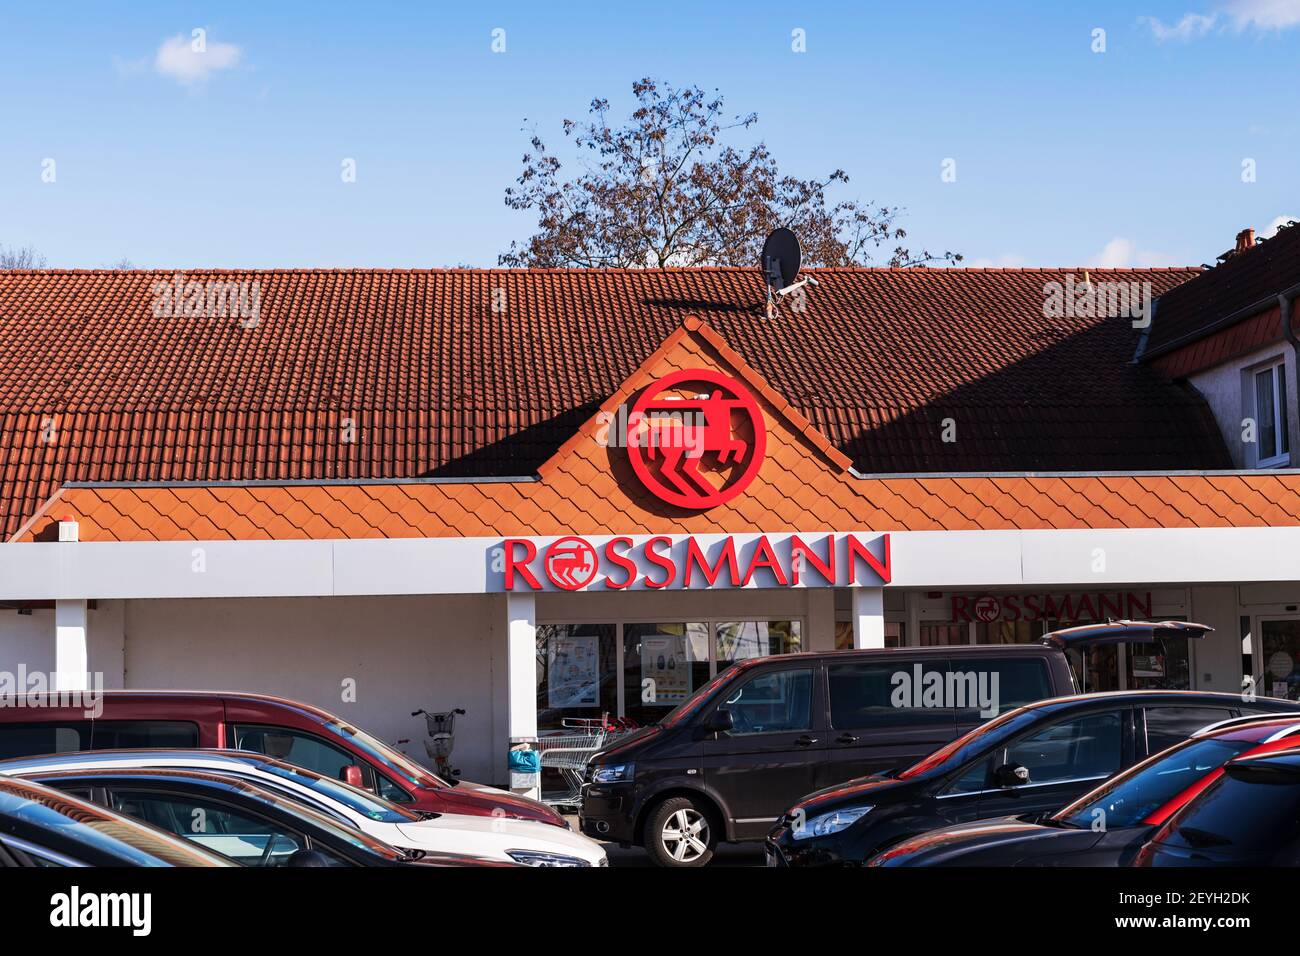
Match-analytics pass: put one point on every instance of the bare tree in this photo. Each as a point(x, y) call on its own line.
point(123, 263)
point(663, 190)
point(24, 258)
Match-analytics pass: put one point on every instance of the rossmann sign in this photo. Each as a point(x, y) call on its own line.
point(660, 562)
point(1098, 606)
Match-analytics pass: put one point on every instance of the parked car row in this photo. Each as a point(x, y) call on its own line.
point(940, 756)
point(820, 756)
point(241, 778)
point(1109, 825)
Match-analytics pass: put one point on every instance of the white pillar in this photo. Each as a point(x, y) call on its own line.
point(71, 661)
point(913, 635)
point(868, 617)
point(521, 669)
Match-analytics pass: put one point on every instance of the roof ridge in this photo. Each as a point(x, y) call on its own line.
point(671, 270)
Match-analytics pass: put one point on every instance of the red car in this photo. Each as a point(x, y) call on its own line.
point(292, 731)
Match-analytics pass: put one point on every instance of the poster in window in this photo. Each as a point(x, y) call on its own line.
point(663, 660)
point(573, 675)
point(1148, 665)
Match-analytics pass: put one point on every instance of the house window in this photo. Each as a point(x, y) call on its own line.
point(1270, 416)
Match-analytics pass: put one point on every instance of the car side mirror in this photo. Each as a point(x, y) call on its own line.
point(307, 858)
point(1011, 775)
point(351, 775)
point(720, 721)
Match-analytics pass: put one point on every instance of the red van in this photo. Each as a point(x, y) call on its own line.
point(292, 731)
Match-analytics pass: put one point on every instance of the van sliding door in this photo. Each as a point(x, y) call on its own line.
point(882, 717)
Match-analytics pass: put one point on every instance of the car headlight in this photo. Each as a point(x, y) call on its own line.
point(540, 858)
point(829, 823)
point(613, 773)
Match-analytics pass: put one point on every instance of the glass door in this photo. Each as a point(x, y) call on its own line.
point(1278, 658)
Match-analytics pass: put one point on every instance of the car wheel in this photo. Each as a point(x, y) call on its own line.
point(680, 833)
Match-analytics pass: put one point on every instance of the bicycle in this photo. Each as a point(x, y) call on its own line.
point(441, 727)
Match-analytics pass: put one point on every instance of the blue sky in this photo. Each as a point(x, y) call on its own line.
point(1063, 156)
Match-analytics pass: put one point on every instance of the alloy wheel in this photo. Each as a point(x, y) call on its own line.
point(685, 835)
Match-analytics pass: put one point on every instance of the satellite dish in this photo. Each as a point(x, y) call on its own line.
point(781, 259)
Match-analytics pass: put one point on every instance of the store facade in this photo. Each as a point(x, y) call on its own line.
point(632, 569)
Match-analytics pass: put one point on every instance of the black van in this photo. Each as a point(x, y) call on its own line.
point(727, 762)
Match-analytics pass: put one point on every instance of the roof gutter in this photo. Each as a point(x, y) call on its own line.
point(1232, 318)
point(1284, 300)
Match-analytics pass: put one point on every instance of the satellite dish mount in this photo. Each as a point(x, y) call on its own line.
point(781, 260)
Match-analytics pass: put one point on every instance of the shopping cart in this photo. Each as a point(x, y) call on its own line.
point(568, 751)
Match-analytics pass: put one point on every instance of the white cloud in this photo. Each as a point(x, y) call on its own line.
point(1190, 27)
point(1121, 253)
point(178, 59)
point(1271, 229)
point(1264, 14)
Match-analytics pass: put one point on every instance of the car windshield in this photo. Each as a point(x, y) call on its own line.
point(968, 745)
point(1127, 799)
point(1243, 814)
point(697, 700)
point(100, 830)
point(363, 802)
point(398, 763)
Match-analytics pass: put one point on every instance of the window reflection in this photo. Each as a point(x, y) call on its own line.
point(742, 640)
point(662, 665)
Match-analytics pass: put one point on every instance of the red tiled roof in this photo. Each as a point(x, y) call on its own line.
point(95, 388)
point(803, 485)
point(1243, 285)
point(1215, 348)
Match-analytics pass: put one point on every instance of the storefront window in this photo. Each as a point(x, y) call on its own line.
point(1159, 666)
point(1095, 668)
point(1008, 632)
point(742, 640)
point(844, 635)
point(662, 665)
point(576, 672)
point(943, 635)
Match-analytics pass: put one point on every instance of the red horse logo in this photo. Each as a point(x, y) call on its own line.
point(570, 563)
point(682, 434)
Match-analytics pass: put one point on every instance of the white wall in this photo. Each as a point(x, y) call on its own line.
point(404, 653)
point(27, 640)
point(1224, 388)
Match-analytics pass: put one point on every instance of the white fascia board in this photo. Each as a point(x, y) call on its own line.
point(933, 559)
point(1161, 555)
point(165, 569)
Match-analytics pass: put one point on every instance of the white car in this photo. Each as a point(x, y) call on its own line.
point(494, 838)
